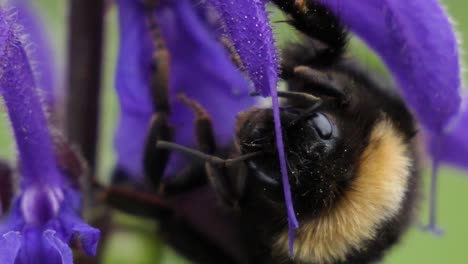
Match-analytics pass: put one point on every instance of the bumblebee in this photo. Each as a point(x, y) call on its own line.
point(351, 155)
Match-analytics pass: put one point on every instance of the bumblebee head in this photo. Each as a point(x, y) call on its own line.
point(314, 150)
point(324, 143)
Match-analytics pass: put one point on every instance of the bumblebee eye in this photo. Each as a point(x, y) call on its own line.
point(322, 125)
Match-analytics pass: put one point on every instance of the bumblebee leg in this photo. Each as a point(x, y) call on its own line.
point(155, 160)
point(233, 53)
point(324, 39)
point(219, 176)
point(134, 202)
point(228, 182)
point(160, 76)
point(204, 133)
point(226, 176)
point(317, 22)
point(322, 83)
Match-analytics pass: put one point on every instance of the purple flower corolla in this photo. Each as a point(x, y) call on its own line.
point(201, 69)
point(452, 147)
point(39, 50)
point(418, 44)
point(43, 218)
point(132, 83)
point(194, 53)
point(247, 26)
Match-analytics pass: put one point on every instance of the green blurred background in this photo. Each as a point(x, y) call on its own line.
point(134, 240)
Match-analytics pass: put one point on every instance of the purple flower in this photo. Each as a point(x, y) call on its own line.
point(43, 219)
point(39, 51)
point(417, 42)
point(449, 147)
point(195, 52)
point(202, 69)
point(133, 87)
point(452, 147)
point(246, 25)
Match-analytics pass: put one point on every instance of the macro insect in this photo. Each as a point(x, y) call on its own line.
point(352, 163)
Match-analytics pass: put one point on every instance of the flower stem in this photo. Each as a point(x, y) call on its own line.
point(84, 75)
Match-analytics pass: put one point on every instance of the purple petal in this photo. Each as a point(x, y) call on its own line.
point(200, 68)
point(417, 42)
point(10, 244)
point(52, 244)
point(36, 248)
point(14, 220)
point(132, 84)
point(77, 229)
point(17, 86)
point(449, 147)
point(452, 147)
point(88, 237)
point(247, 26)
point(62, 249)
point(40, 51)
point(44, 196)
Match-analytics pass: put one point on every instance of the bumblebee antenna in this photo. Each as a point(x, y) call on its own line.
point(323, 83)
point(301, 97)
point(207, 158)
